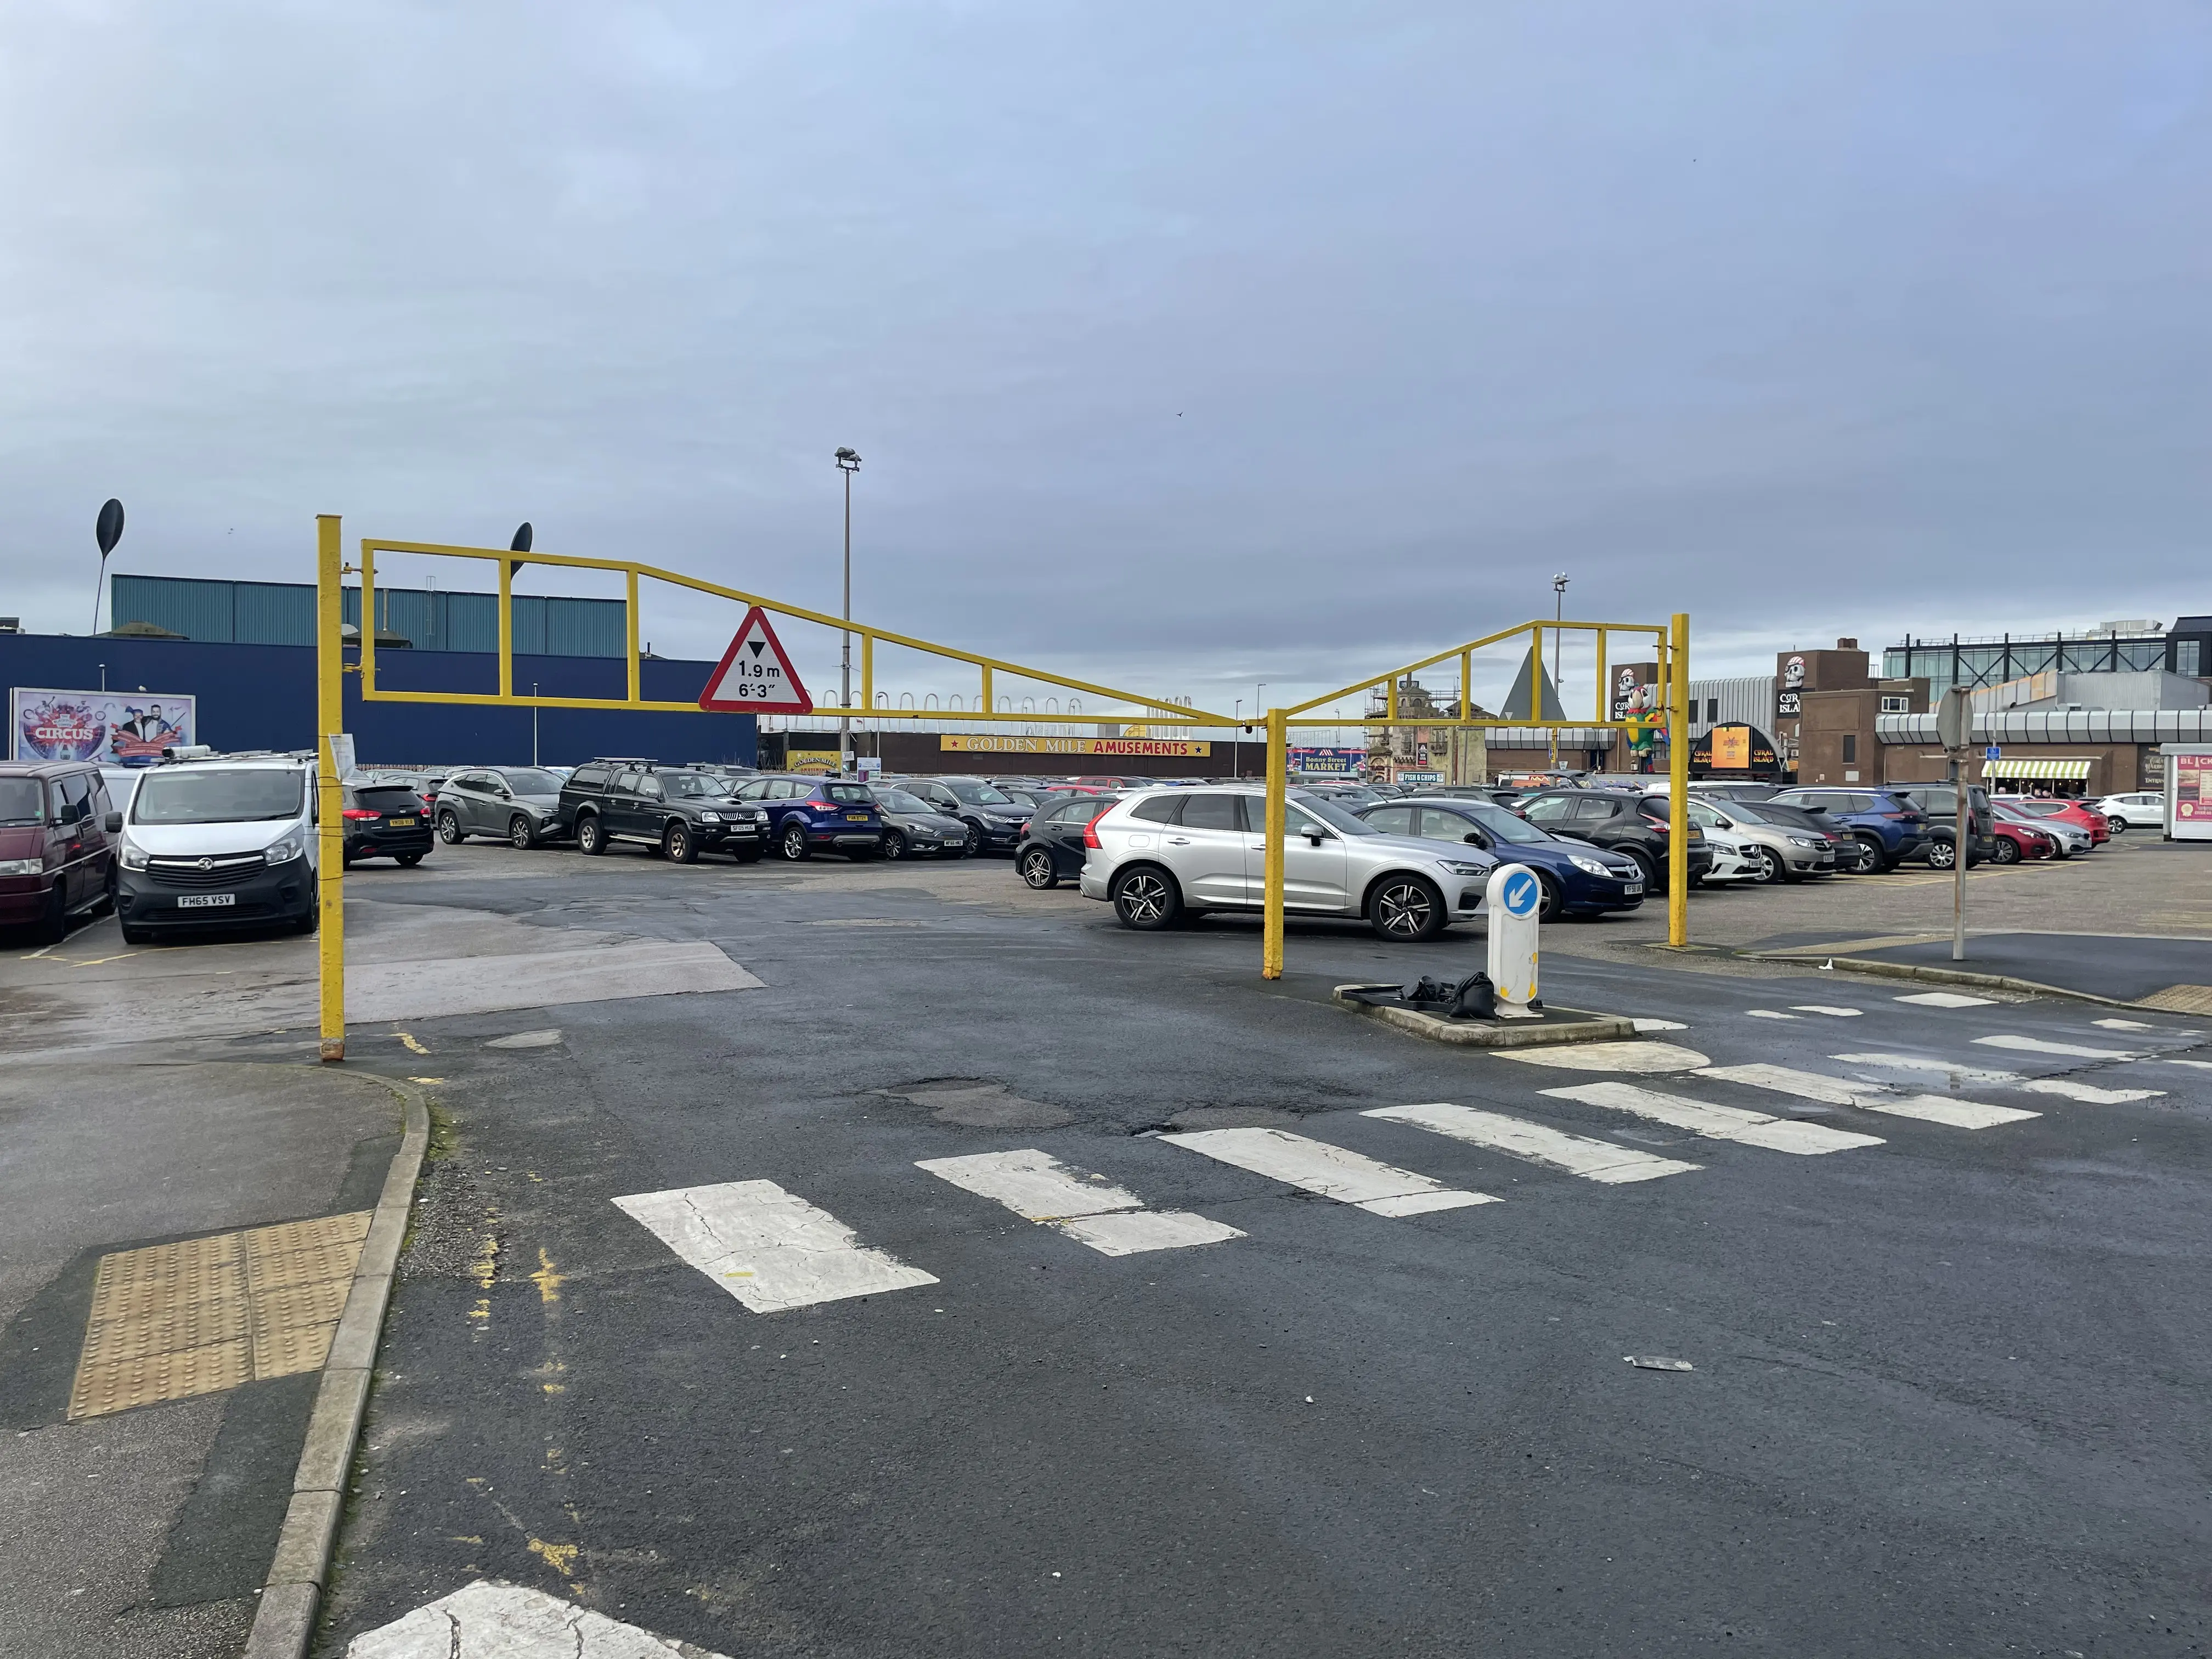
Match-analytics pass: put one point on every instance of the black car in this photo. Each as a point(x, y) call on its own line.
point(913, 828)
point(1940, 801)
point(680, 812)
point(1621, 821)
point(994, 823)
point(384, 820)
point(1054, 848)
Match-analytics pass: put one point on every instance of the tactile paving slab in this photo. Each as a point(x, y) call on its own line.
point(171, 1320)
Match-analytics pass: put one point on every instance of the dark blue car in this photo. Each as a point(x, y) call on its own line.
point(1578, 879)
point(1887, 828)
point(810, 814)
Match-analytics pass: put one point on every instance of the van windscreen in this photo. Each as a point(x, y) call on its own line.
point(197, 795)
point(21, 802)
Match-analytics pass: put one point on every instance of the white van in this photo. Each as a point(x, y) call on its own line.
point(212, 840)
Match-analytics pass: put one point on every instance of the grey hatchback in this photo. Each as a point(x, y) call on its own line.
point(520, 805)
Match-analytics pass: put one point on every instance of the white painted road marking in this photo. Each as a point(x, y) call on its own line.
point(1839, 1092)
point(1536, 1143)
point(2089, 1092)
point(2038, 1046)
point(2201, 1065)
point(1632, 1056)
point(487, 1620)
point(1823, 1008)
point(1716, 1122)
point(770, 1248)
point(1038, 1187)
point(1331, 1171)
point(1768, 1013)
point(1948, 1000)
point(2124, 1025)
point(1914, 1063)
point(1659, 1025)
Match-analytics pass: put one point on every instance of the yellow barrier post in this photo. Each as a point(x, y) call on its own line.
point(329, 840)
point(1279, 780)
point(1678, 782)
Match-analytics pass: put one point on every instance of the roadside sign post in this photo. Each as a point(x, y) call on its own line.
point(1955, 730)
point(332, 755)
point(1513, 897)
point(1678, 782)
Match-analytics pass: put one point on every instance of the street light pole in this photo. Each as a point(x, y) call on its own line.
point(1559, 614)
point(848, 463)
point(1259, 703)
point(1236, 739)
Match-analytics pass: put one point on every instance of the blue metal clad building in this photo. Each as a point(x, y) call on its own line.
point(253, 695)
point(284, 613)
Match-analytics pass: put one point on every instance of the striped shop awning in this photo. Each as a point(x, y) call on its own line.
point(2006, 767)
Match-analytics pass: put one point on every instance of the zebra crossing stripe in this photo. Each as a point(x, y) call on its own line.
point(1776, 1135)
point(2038, 1046)
point(770, 1248)
point(506, 1621)
point(1947, 1000)
point(1836, 1091)
point(1915, 1063)
point(2069, 1089)
point(1088, 1208)
point(1824, 1008)
point(1317, 1167)
point(1536, 1143)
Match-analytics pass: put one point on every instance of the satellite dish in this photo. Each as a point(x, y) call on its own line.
point(108, 530)
point(519, 544)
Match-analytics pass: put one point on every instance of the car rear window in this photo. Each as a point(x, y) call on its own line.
point(588, 777)
point(385, 798)
point(847, 794)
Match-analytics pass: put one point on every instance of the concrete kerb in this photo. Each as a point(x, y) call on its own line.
point(1577, 1025)
point(285, 1622)
point(1942, 976)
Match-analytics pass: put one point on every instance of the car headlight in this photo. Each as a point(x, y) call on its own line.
point(133, 858)
point(1802, 841)
point(1591, 866)
point(710, 817)
point(1465, 869)
point(22, 866)
point(284, 851)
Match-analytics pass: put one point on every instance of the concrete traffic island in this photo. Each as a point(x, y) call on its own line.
point(1542, 1027)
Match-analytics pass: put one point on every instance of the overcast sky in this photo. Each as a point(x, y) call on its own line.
point(1187, 346)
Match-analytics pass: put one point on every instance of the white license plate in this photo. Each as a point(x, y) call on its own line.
point(400, 823)
point(1633, 888)
point(205, 901)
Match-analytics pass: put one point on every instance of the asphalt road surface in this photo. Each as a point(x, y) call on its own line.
point(1946, 1331)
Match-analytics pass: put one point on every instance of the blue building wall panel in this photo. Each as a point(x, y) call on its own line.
point(262, 696)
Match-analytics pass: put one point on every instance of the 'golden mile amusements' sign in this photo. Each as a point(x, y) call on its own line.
point(961, 743)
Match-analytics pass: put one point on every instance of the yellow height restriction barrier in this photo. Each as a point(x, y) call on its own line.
point(1672, 643)
point(331, 668)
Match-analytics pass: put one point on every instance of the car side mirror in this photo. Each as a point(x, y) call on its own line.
point(114, 822)
point(1724, 823)
point(1317, 837)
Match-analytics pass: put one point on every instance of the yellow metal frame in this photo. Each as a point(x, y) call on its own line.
point(1672, 643)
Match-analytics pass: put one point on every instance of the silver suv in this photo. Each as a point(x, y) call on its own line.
point(1164, 854)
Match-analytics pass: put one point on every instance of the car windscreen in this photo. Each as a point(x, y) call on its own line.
point(190, 795)
point(848, 794)
point(897, 800)
point(22, 800)
point(1504, 825)
point(978, 794)
point(1330, 813)
point(690, 786)
point(527, 780)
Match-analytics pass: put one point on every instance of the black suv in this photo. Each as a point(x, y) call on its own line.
point(1054, 847)
point(680, 811)
point(1621, 820)
point(383, 820)
point(1940, 801)
point(994, 822)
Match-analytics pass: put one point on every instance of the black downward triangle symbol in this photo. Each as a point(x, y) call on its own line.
point(759, 646)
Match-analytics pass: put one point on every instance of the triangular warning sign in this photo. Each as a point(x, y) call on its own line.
point(755, 675)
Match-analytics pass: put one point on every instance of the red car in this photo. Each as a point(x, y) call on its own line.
point(2016, 842)
point(2075, 812)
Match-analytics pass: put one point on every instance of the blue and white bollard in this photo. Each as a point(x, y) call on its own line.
point(1513, 898)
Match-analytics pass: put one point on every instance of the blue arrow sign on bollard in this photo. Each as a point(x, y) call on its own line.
point(1514, 897)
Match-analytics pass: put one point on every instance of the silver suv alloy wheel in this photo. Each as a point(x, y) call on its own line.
point(1405, 909)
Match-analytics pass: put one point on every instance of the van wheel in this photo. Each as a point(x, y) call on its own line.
point(106, 905)
point(1406, 910)
point(53, 921)
point(591, 839)
point(450, 830)
point(1146, 899)
point(313, 920)
point(1038, 870)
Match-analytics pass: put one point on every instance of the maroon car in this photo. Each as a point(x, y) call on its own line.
point(56, 858)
